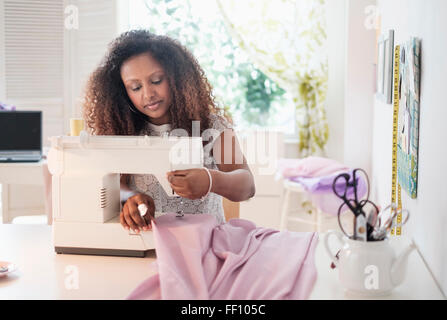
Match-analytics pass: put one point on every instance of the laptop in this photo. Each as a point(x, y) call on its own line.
point(20, 136)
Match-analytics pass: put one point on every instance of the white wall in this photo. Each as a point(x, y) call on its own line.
point(336, 47)
point(359, 86)
point(428, 222)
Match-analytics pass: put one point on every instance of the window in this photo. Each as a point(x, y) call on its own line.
point(31, 50)
point(253, 99)
point(32, 59)
point(44, 64)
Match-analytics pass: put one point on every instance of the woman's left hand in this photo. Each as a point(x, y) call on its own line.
point(192, 183)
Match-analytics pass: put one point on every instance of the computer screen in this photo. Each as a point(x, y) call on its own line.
point(20, 130)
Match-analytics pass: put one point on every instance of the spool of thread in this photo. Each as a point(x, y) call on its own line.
point(76, 126)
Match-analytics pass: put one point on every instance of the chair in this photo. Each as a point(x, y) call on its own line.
point(231, 209)
point(309, 214)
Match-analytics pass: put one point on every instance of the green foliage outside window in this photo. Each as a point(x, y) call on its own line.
point(237, 84)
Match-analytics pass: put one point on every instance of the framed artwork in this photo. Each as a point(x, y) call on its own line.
point(408, 118)
point(385, 48)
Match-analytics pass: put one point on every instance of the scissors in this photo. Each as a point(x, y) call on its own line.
point(341, 186)
point(387, 221)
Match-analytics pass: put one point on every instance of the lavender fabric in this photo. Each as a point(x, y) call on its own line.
point(309, 167)
point(6, 107)
point(321, 192)
point(316, 175)
point(199, 259)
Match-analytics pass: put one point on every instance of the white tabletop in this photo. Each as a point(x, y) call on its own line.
point(23, 164)
point(43, 274)
point(30, 173)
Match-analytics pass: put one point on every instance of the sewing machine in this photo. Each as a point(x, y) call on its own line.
point(86, 187)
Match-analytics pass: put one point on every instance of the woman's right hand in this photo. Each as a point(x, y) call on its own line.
point(130, 217)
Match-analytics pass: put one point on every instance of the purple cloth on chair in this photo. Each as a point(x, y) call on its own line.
point(7, 107)
point(316, 175)
point(199, 259)
point(321, 192)
point(309, 167)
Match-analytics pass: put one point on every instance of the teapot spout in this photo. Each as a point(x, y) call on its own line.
point(399, 267)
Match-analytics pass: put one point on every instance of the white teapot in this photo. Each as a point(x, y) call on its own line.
point(368, 267)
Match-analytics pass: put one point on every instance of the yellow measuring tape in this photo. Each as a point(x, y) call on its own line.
point(398, 229)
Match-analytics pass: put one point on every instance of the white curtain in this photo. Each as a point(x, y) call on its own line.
point(287, 41)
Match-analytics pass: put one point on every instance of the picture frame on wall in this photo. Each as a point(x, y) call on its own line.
point(408, 117)
point(385, 49)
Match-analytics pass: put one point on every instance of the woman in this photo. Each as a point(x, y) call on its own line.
point(150, 85)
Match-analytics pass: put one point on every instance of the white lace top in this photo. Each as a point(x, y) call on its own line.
point(164, 203)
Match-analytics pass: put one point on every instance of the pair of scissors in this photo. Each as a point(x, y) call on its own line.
point(341, 186)
point(387, 221)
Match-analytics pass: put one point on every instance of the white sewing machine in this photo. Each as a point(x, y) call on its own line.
point(86, 187)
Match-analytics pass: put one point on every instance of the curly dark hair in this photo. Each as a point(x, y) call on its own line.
point(106, 106)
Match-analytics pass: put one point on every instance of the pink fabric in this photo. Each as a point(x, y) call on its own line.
point(309, 167)
point(316, 175)
point(199, 259)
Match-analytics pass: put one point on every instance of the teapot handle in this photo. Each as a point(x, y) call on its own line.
point(339, 235)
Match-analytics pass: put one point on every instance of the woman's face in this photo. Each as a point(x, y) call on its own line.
point(147, 87)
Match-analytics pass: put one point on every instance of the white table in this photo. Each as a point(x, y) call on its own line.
point(44, 274)
point(20, 173)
